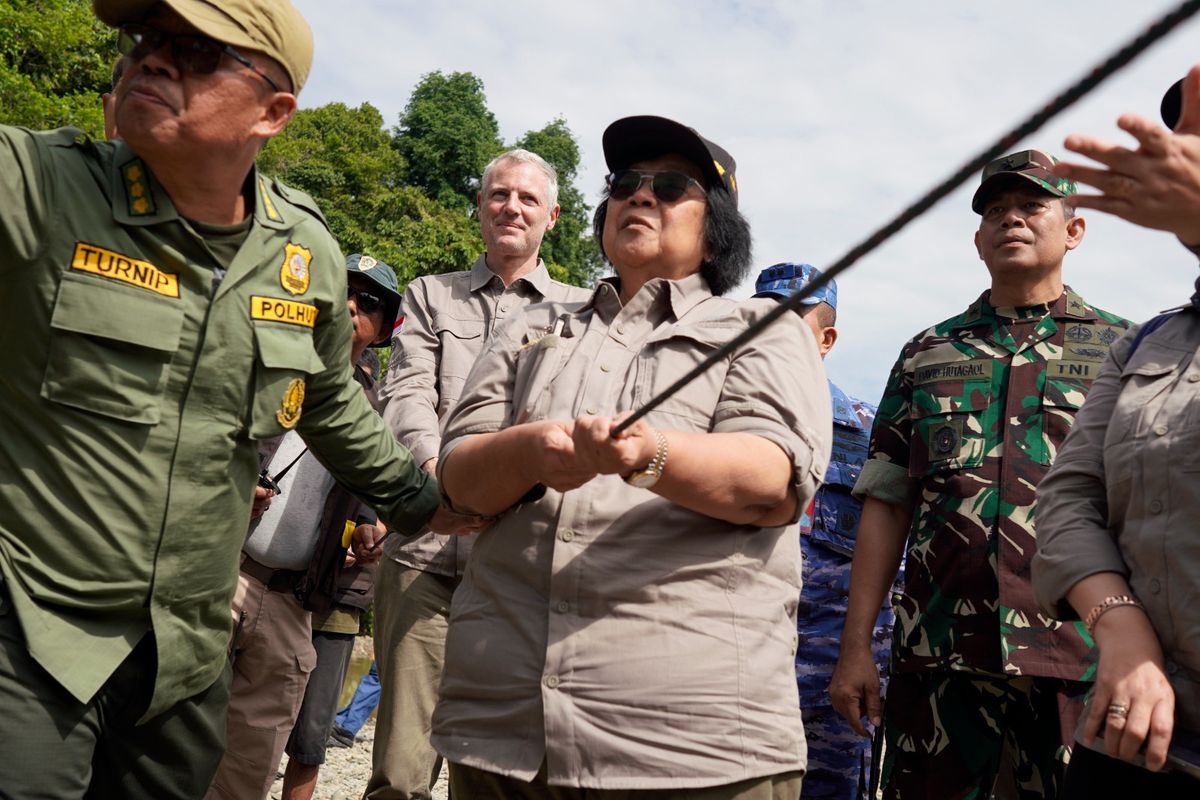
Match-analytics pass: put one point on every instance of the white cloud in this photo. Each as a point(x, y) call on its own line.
point(839, 113)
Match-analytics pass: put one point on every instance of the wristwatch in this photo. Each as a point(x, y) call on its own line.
point(645, 478)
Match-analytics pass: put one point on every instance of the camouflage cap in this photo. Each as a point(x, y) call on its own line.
point(1032, 165)
point(784, 280)
point(633, 139)
point(1172, 104)
point(273, 27)
point(384, 277)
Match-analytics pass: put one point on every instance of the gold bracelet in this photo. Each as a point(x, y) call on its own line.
point(1108, 604)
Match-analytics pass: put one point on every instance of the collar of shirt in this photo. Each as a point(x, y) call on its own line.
point(139, 199)
point(482, 275)
point(682, 295)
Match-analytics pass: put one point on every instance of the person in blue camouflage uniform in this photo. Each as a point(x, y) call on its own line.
point(985, 690)
point(838, 760)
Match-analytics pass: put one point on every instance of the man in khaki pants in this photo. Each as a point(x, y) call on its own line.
point(448, 319)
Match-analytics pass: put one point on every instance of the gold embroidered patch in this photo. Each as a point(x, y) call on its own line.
point(294, 272)
point(293, 400)
point(268, 206)
point(278, 310)
point(117, 267)
point(137, 196)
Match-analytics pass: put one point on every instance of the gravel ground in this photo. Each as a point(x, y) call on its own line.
point(346, 771)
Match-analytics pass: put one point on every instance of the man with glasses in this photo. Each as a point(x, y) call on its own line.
point(984, 689)
point(164, 308)
point(291, 564)
point(448, 320)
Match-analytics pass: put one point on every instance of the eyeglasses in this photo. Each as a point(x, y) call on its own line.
point(191, 52)
point(364, 300)
point(667, 185)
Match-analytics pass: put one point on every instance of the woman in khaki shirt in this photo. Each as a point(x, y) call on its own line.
point(632, 628)
point(1117, 514)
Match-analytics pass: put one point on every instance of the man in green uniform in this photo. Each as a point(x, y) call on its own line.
point(983, 685)
point(164, 306)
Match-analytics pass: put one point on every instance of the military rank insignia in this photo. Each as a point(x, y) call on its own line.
point(293, 400)
point(294, 273)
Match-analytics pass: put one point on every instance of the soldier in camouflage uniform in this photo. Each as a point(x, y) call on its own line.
point(838, 760)
point(984, 688)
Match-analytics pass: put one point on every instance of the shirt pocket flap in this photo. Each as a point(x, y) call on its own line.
point(286, 348)
point(949, 397)
point(706, 336)
point(459, 328)
point(132, 316)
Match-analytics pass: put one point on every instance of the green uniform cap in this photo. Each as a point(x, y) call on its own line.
point(1032, 165)
point(273, 27)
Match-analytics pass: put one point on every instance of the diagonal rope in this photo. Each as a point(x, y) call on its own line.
point(1070, 96)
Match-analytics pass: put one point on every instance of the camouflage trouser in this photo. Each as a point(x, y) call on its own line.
point(953, 735)
point(839, 760)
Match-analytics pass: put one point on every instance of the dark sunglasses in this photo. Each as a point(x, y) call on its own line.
point(191, 52)
point(364, 300)
point(667, 185)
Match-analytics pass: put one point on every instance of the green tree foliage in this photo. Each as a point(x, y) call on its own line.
point(55, 60)
point(568, 250)
point(447, 135)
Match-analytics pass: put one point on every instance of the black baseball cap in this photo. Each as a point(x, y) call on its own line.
point(633, 139)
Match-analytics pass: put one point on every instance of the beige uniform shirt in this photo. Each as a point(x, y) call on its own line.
point(1123, 495)
point(447, 321)
point(624, 640)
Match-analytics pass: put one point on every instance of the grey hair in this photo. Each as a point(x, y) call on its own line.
point(526, 157)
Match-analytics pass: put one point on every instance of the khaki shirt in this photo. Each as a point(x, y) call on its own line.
point(1123, 495)
point(624, 640)
point(132, 396)
point(447, 321)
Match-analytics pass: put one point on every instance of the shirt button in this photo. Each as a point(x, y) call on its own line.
point(563, 606)
point(1155, 586)
point(1161, 430)
point(1172, 668)
point(620, 329)
point(1156, 507)
point(551, 681)
point(567, 535)
point(1195, 376)
point(503, 309)
point(605, 368)
point(591, 410)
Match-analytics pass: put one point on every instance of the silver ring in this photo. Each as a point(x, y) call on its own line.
point(1118, 710)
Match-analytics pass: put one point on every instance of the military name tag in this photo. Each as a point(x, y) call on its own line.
point(954, 371)
point(1084, 370)
point(118, 267)
point(277, 310)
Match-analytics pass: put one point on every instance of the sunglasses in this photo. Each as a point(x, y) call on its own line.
point(191, 52)
point(667, 185)
point(364, 300)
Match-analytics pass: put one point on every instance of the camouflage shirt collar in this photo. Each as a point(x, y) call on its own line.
point(1069, 305)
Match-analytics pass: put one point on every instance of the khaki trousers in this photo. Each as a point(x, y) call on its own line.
point(468, 783)
point(273, 656)
point(412, 611)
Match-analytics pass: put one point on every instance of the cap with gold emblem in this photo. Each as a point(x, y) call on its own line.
point(273, 27)
point(634, 139)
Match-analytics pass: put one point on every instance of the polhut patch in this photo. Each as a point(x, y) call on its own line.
point(118, 267)
point(294, 272)
point(293, 400)
point(276, 309)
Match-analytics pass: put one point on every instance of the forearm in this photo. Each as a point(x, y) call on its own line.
point(878, 550)
point(737, 477)
point(473, 482)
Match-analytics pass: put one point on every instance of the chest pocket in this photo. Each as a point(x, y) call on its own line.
point(666, 357)
point(948, 418)
point(284, 359)
point(1062, 398)
point(460, 341)
point(110, 349)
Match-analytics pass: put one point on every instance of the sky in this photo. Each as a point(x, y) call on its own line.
point(840, 113)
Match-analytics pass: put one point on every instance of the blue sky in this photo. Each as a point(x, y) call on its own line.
point(839, 113)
